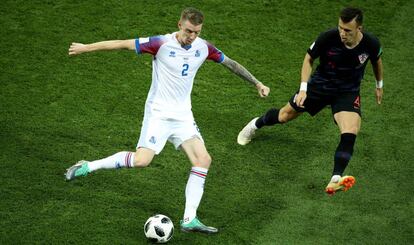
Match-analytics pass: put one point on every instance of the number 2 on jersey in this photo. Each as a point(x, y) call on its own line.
point(185, 69)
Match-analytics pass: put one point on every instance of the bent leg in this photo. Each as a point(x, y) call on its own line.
point(271, 117)
point(118, 160)
point(141, 158)
point(275, 116)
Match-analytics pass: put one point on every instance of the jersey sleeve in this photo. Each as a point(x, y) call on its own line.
point(149, 45)
point(214, 54)
point(374, 49)
point(317, 47)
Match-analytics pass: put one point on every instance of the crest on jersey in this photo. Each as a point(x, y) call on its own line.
point(172, 54)
point(197, 53)
point(362, 58)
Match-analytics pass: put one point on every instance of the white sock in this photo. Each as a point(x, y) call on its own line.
point(194, 192)
point(118, 160)
point(253, 125)
point(335, 178)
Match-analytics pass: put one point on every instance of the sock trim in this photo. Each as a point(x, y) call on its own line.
point(198, 172)
point(128, 157)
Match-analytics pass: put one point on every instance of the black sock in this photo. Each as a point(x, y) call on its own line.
point(270, 118)
point(343, 153)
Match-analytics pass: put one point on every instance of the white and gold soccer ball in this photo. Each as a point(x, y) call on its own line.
point(159, 228)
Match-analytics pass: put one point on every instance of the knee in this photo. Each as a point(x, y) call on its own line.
point(351, 130)
point(285, 116)
point(203, 161)
point(141, 162)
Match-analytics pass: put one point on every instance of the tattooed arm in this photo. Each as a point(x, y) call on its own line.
point(242, 72)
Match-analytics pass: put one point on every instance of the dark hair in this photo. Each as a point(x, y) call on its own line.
point(350, 13)
point(193, 15)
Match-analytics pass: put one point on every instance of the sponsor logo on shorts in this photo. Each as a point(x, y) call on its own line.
point(152, 140)
point(195, 125)
point(357, 103)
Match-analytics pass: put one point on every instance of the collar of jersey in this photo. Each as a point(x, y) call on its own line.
point(186, 47)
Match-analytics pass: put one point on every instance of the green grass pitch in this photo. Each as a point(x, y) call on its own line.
point(56, 110)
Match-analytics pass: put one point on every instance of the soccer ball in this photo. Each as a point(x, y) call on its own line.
point(159, 228)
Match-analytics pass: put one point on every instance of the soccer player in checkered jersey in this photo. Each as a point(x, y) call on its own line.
point(343, 53)
point(168, 116)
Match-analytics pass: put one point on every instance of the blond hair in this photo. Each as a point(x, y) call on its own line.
point(193, 15)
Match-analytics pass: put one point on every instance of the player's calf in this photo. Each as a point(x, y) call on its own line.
point(271, 117)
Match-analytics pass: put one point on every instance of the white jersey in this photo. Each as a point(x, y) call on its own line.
point(173, 70)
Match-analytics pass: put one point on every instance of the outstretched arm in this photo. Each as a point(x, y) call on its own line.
point(78, 48)
point(377, 68)
point(242, 72)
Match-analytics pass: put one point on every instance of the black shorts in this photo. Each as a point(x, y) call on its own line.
point(315, 102)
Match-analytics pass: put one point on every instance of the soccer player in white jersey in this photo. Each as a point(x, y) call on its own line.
point(168, 115)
